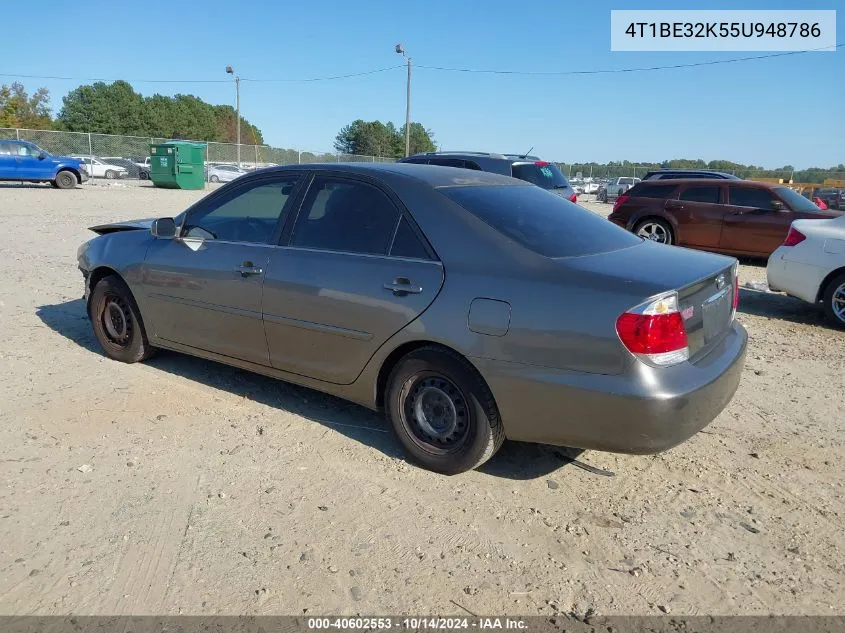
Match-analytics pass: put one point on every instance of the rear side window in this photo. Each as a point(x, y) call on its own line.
point(660, 192)
point(545, 175)
point(702, 193)
point(751, 197)
point(541, 221)
point(406, 243)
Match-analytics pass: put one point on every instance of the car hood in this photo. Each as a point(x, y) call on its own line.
point(129, 225)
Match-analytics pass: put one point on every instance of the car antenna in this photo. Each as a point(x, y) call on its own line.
point(525, 155)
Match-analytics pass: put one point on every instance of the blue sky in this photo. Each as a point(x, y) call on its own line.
point(767, 112)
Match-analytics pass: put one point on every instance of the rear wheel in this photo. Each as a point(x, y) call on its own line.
point(834, 301)
point(656, 230)
point(65, 180)
point(442, 411)
point(214, 178)
point(117, 321)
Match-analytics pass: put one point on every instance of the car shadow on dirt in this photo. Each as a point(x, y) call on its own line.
point(515, 460)
point(779, 306)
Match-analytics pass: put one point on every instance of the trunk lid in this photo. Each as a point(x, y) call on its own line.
point(703, 281)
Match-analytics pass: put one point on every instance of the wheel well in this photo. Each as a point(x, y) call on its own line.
point(99, 273)
point(73, 171)
point(645, 218)
point(393, 359)
point(827, 280)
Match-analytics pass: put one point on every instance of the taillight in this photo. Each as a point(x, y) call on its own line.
point(620, 200)
point(794, 237)
point(655, 332)
point(735, 303)
point(542, 163)
point(573, 197)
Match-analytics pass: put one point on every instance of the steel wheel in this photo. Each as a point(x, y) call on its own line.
point(65, 180)
point(435, 410)
point(110, 175)
point(839, 302)
point(117, 320)
point(656, 231)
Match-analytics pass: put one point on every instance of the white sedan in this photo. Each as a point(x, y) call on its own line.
point(810, 265)
point(101, 169)
point(224, 173)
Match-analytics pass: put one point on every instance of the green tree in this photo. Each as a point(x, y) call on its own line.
point(421, 140)
point(103, 108)
point(227, 132)
point(19, 109)
point(374, 138)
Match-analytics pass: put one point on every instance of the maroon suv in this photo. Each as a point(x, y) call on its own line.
point(740, 217)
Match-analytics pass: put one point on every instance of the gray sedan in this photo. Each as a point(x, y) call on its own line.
point(224, 173)
point(470, 307)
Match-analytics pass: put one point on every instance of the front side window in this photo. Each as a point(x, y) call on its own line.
point(751, 197)
point(346, 216)
point(249, 215)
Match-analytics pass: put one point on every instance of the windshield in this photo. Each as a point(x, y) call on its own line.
point(796, 201)
point(545, 175)
point(541, 221)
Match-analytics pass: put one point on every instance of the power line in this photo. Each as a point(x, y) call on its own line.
point(539, 73)
point(562, 73)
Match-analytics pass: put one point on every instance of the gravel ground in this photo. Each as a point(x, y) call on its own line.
point(184, 486)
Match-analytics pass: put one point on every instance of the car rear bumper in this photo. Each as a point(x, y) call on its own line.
point(795, 278)
point(643, 411)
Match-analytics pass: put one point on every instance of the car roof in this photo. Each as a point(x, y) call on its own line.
point(719, 181)
point(432, 175)
point(693, 170)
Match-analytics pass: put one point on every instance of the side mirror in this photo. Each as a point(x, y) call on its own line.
point(164, 228)
point(777, 205)
point(41, 156)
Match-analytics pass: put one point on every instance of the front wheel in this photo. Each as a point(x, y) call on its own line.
point(214, 178)
point(834, 301)
point(65, 180)
point(656, 230)
point(117, 321)
point(111, 175)
point(442, 411)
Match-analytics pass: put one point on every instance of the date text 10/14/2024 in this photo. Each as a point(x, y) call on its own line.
point(416, 623)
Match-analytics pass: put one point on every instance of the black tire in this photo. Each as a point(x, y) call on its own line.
point(443, 384)
point(111, 175)
point(143, 175)
point(832, 299)
point(65, 179)
point(662, 224)
point(117, 321)
point(214, 178)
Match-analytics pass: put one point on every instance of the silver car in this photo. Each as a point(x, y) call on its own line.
point(471, 307)
point(224, 173)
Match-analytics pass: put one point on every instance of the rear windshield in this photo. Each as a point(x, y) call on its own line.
point(541, 221)
point(545, 175)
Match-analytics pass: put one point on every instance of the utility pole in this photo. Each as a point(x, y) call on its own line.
point(401, 50)
point(230, 71)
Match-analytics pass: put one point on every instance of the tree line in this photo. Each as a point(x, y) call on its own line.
point(116, 108)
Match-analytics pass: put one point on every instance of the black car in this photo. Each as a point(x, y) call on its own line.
point(133, 169)
point(529, 168)
point(833, 198)
point(674, 174)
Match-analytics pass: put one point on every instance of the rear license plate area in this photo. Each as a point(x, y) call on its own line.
point(716, 313)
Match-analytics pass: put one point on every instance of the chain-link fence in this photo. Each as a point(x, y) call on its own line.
point(131, 152)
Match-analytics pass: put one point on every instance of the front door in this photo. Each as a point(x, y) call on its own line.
point(356, 271)
point(752, 225)
point(204, 289)
point(28, 164)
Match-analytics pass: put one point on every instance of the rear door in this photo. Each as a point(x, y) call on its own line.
point(205, 288)
point(700, 211)
point(752, 225)
point(355, 271)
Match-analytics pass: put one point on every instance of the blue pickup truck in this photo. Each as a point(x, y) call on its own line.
point(26, 162)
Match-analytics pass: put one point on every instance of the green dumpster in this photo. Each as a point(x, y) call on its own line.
point(178, 165)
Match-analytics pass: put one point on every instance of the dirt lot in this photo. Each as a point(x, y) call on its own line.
point(208, 490)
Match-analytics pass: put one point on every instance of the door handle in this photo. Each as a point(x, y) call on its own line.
point(246, 269)
point(402, 286)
